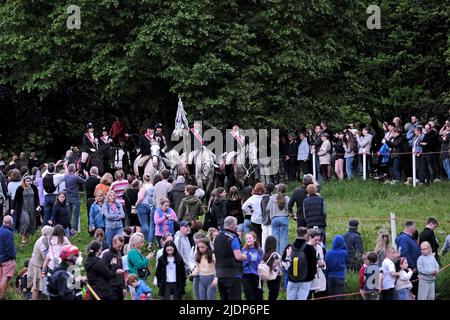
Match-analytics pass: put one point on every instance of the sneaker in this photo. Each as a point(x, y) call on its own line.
point(437, 180)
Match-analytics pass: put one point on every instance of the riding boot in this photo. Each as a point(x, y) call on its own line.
point(141, 171)
point(191, 168)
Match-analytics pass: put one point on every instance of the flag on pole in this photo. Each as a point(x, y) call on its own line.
point(181, 122)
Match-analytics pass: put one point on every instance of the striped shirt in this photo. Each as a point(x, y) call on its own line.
point(119, 187)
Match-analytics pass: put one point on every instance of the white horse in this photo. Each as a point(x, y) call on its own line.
point(154, 163)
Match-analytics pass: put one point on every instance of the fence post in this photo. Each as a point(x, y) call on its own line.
point(314, 165)
point(79, 224)
point(414, 168)
point(393, 228)
point(364, 166)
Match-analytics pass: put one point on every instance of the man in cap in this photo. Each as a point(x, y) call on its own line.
point(354, 244)
point(183, 243)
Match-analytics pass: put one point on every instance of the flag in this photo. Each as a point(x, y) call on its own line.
point(181, 122)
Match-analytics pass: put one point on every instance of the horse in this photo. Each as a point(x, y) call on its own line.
point(154, 163)
point(243, 172)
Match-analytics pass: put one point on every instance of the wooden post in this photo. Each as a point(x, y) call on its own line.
point(364, 166)
point(314, 165)
point(414, 167)
point(393, 228)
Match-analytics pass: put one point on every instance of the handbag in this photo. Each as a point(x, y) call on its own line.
point(264, 271)
point(133, 208)
point(143, 273)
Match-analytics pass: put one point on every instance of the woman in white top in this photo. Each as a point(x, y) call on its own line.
point(252, 206)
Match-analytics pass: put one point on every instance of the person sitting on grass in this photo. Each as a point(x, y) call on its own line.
point(141, 290)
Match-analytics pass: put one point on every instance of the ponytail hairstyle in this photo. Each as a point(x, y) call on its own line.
point(190, 189)
point(281, 196)
point(94, 247)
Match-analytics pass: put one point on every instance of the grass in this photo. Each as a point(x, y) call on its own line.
point(369, 201)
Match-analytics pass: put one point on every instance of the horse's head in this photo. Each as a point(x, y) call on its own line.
point(155, 150)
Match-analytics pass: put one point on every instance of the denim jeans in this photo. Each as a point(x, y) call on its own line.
point(74, 209)
point(48, 207)
point(349, 167)
point(280, 231)
point(247, 224)
point(402, 294)
point(110, 233)
point(395, 169)
point(144, 214)
point(446, 165)
point(298, 290)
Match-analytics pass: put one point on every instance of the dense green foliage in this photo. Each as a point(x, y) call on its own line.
point(270, 63)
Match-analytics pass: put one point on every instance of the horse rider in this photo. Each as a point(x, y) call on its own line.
point(238, 145)
point(105, 138)
point(90, 144)
point(160, 138)
point(145, 144)
point(196, 145)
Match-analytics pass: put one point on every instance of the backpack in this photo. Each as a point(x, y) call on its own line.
point(264, 272)
point(48, 184)
point(298, 270)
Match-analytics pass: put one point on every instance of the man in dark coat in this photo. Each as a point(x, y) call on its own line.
point(428, 235)
point(354, 244)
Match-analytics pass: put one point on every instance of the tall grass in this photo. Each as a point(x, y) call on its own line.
point(344, 200)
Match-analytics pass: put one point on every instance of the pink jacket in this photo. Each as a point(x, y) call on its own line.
point(163, 221)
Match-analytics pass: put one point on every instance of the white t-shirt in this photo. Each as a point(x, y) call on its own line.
point(171, 271)
point(388, 281)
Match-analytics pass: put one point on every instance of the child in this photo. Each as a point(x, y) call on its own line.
point(22, 281)
point(99, 235)
point(403, 285)
point(170, 273)
point(141, 290)
point(387, 282)
point(205, 269)
point(335, 261)
point(250, 277)
point(367, 281)
point(428, 268)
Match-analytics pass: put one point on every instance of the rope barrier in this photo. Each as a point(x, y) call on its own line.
point(358, 293)
point(370, 153)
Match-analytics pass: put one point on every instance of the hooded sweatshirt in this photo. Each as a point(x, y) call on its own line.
point(99, 276)
point(335, 259)
point(190, 209)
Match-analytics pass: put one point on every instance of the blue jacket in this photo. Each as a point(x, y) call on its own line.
point(7, 247)
point(142, 288)
point(113, 217)
point(335, 259)
point(408, 248)
point(96, 217)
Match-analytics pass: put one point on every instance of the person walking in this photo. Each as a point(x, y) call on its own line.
point(7, 255)
point(113, 212)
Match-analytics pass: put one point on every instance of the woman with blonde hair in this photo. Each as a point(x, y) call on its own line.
point(381, 245)
point(137, 263)
point(113, 212)
point(105, 183)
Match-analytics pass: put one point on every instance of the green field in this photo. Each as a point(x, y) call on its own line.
point(356, 199)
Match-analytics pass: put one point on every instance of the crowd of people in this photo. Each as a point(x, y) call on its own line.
point(389, 158)
point(128, 218)
point(201, 241)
